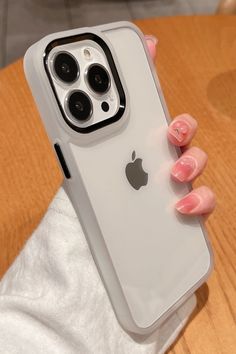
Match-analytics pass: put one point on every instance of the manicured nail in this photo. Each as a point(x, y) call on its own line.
point(179, 130)
point(152, 39)
point(188, 204)
point(184, 168)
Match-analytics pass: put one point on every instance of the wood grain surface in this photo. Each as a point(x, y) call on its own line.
point(196, 63)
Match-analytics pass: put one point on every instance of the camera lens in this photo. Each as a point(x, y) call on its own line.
point(80, 105)
point(66, 67)
point(98, 78)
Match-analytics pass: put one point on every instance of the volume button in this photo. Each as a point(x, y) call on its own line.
point(62, 160)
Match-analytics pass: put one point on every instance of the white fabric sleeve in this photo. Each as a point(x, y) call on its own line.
point(52, 299)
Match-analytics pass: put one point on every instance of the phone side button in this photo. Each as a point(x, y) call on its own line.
point(62, 160)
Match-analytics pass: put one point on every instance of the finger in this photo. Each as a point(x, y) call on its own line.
point(190, 165)
point(182, 129)
point(151, 43)
point(199, 201)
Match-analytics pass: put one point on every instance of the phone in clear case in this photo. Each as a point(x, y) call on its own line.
point(104, 113)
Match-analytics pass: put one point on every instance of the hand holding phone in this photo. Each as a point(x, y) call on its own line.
point(105, 115)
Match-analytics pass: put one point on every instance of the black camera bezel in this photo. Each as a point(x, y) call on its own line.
point(89, 81)
point(67, 104)
point(75, 62)
point(120, 90)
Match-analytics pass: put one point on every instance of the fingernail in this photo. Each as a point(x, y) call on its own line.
point(179, 130)
point(151, 38)
point(188, 204)
point(184, 168)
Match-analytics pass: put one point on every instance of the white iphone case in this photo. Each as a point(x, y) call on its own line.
point(150, 258)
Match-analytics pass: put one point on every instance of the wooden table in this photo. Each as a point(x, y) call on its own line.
point(196, 63)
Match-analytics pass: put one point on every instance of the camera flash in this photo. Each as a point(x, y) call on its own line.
point(87, 54)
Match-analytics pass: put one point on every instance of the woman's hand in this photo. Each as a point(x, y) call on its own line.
point(199, 201)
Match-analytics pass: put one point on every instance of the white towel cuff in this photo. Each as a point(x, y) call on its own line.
point(52, 299)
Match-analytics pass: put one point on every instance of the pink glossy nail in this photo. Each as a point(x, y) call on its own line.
point(179, 130)
point(188, 204)
point(184, 168)
point(151, 38)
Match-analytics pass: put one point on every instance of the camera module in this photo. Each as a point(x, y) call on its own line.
point(98, 78)
point(66, 67)
point(79, 105)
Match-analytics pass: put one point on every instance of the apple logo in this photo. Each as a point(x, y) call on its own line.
point(135, 173)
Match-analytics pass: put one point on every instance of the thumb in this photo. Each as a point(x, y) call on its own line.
point(151, 43)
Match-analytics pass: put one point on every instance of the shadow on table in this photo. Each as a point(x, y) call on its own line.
point(221, 93)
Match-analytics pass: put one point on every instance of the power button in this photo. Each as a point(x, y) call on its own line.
point(62, 160)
